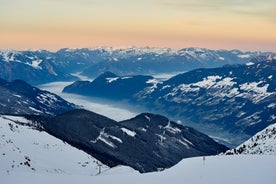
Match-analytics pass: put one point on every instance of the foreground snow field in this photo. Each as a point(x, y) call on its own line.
point(249, 169)
point(23, 149)
point(52, 161)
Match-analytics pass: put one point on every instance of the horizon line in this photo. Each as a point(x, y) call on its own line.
point(131, 46)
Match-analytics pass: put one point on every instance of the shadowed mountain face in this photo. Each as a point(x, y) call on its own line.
point(111, 86)
point(147, 142)
point(18, 97)
point(234, 100)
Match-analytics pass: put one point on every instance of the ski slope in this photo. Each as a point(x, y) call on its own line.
point(249, 169)
point(26, 150)
point(46, 159)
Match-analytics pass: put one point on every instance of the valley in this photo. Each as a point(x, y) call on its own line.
point(113, 125)
point(113, 109)
point(137, 92)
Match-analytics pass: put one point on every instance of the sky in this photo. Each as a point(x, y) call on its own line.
point(214, 24)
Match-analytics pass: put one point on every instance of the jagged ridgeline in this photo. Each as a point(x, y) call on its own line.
point(41, 66)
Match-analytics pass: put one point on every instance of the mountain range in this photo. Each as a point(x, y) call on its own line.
point(235, 100)
point(149, 61)
point(41, 66)
point(44, 136)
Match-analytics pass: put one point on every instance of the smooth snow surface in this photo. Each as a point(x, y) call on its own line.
point(129, 132)
point(26, 150)
point(52, 161)
point(239, 169)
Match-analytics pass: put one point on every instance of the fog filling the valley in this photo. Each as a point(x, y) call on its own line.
point(113, 110)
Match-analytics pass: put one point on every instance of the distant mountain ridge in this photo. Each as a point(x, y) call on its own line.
point(238, 99)
point(41, 66)
point(149, 61)
point(34, 67)
point(146, 142)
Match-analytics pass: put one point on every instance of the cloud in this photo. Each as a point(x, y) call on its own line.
point(77, 2)
point(265, 9)
point(188, 5)
point(200, 4)
point(268, 13)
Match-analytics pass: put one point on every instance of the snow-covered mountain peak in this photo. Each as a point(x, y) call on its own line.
point(271, 57)
point(195, 49)
point(126, 51)
point(266, 58)
point(264, 142)
point(8, 55)
point(16, 56)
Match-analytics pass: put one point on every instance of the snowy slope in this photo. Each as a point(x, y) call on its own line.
point(146, 142)
point(24, 149)
point(264, 142)
point(57, 162)
point(18, 97)
point(250, 169)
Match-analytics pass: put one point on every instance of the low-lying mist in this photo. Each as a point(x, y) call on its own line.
point(114, 110)
point(119, 110)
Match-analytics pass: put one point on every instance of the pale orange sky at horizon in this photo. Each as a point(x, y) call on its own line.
point(214, 24)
